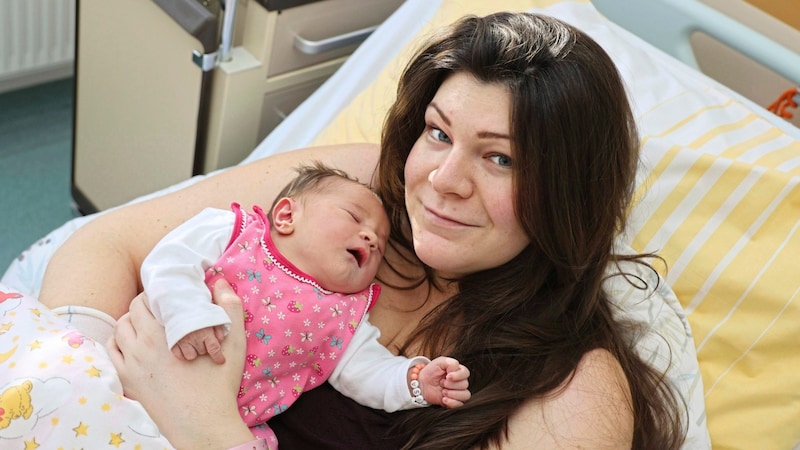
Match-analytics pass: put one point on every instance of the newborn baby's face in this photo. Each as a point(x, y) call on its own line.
point(343, 232)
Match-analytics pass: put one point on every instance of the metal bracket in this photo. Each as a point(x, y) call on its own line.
point(205, 62)
point(208, 61)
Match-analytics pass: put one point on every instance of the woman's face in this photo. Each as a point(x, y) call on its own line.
point(459, 191)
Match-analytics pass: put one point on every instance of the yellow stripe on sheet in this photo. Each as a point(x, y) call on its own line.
point(720, 206)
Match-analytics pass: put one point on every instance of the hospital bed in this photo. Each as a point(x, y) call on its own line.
point(717, 196)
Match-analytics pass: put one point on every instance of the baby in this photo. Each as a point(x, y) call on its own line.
point(305, 278)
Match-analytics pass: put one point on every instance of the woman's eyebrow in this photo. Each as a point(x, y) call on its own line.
point(481, 134)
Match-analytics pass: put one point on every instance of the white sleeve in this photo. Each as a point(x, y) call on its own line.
point(173, 274)
point(371, 375)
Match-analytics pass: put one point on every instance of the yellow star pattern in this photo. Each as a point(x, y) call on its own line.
point(106, 407)
point(116, 439)
point(54, 421)
point(36, 312)
point(6, 326)
point(93, 372)
point(81, 430)
point(68, 359)
point(31, 445)
point(35, 345)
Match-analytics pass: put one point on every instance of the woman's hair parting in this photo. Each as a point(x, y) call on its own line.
point(522, 328)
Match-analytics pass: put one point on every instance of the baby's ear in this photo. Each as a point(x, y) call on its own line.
point(283, 215)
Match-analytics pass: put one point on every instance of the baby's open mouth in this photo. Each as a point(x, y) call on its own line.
point(358, 254)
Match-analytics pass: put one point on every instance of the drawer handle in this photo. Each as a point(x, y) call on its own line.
point(332, 43)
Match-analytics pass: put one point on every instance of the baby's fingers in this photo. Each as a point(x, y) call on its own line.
point(214, 349)
point(460, 374)
point(455, 398)
point(184, 351)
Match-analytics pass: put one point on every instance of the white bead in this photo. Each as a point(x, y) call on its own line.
point(414, 383)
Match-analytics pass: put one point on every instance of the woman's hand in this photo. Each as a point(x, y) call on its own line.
point(192, 402)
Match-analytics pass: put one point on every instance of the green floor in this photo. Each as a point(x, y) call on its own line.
point(35, 164)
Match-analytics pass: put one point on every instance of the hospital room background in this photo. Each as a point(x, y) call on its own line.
point(93, 112)
point(37, 49)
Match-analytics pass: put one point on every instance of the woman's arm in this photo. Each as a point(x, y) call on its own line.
point(594, 411)
point(168, 387)
point(98, 266)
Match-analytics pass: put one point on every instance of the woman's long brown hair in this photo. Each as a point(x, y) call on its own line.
point(523, 327)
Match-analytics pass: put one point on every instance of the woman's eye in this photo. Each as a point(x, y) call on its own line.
point(439, 135)
point(501, 160)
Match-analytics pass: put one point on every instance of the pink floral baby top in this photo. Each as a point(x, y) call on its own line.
point(296, 331)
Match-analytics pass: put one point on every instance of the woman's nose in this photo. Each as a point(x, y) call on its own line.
point(452, 176)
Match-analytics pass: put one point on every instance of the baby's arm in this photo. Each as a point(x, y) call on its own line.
point(173, 277)
point(442, 382)
point(371, 375)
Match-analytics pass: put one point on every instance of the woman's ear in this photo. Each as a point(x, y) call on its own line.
point(283, 215)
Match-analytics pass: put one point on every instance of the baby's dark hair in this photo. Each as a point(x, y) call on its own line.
point(310, 179)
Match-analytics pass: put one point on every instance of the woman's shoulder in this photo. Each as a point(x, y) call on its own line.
point(592, 410)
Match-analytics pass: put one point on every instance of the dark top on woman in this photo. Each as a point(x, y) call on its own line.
point(323, 418)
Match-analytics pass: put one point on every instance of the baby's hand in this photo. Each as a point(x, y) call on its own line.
point(444, 382)
point(201, 342)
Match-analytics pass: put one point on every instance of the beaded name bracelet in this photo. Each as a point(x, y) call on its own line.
point(416, 388)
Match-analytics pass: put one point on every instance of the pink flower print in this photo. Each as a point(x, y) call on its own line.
point(297, 289)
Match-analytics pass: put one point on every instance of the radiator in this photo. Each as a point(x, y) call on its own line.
point(37, 41)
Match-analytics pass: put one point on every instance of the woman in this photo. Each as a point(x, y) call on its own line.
point(506, 167)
